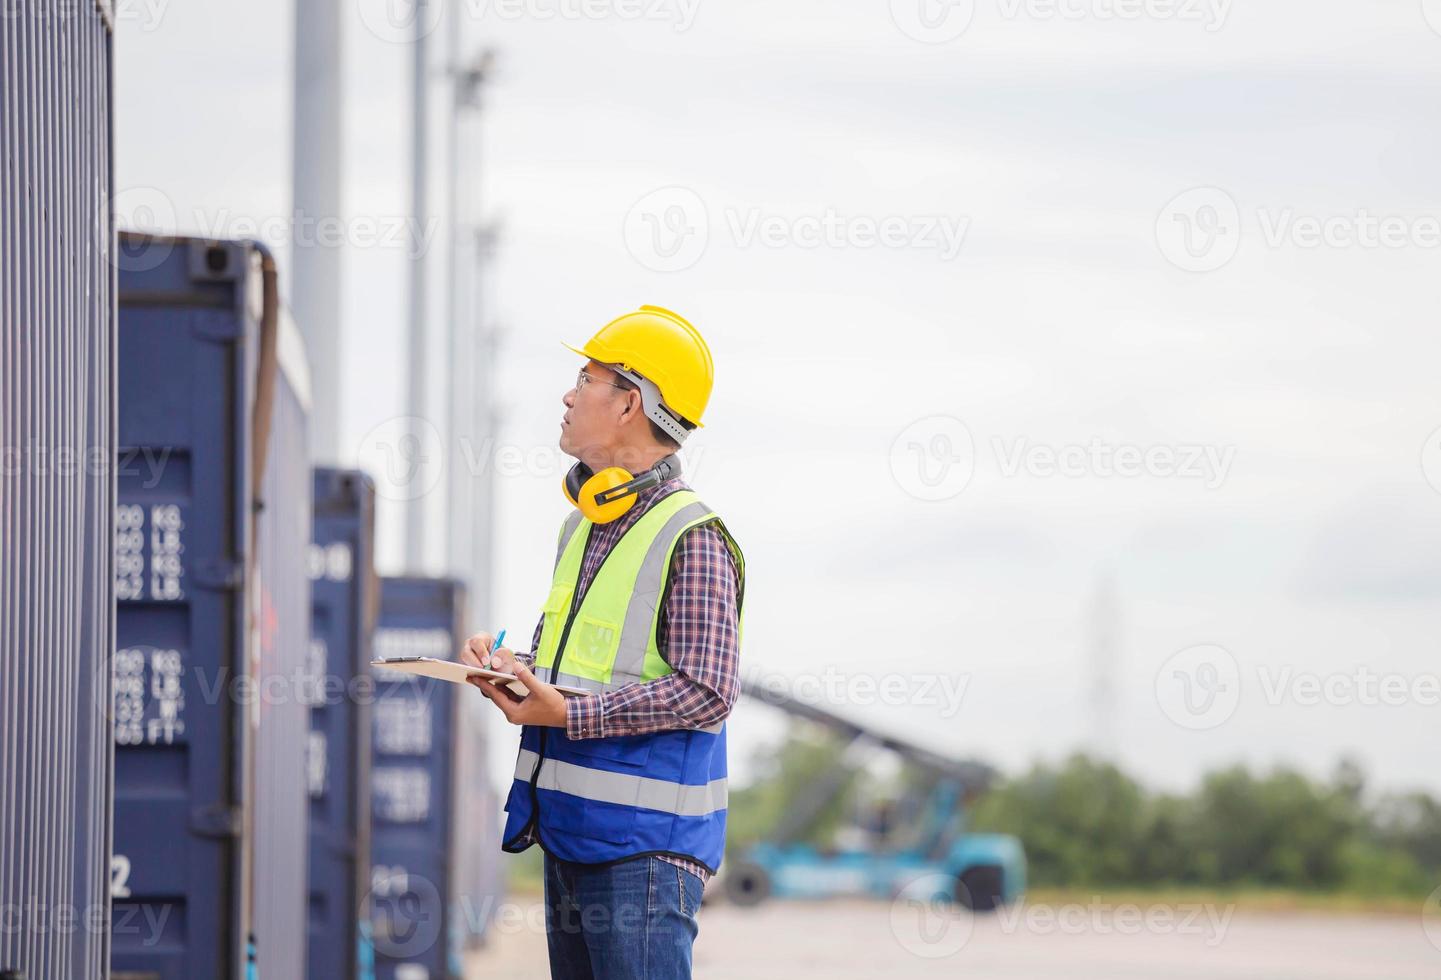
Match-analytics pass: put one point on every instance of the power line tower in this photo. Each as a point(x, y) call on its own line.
point(1104, 665)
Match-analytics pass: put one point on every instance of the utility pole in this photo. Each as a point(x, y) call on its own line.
point(1104, 666)
point(468, 494)
point(316, 196)
point(417, 335)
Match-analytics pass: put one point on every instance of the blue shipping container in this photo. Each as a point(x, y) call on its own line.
point(426, 897)
point(345, 595)
point(212, 524)
point(57, 486)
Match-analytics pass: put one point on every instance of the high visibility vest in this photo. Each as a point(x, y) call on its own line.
point(597, 800)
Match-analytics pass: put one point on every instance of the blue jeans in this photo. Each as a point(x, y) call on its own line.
point(634, 920)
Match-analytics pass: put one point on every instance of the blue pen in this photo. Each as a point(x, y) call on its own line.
point(499, 639)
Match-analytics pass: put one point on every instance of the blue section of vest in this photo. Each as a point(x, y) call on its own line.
point(604, 799)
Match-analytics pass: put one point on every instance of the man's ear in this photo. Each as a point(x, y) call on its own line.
point(638, 406)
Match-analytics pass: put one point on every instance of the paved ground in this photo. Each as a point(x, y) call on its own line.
point(856, 939)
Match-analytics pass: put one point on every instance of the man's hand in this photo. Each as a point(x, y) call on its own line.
point(543, 706)
point(478, 652)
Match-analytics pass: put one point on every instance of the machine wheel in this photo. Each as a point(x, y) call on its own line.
point(748, 884)
point(981, 888)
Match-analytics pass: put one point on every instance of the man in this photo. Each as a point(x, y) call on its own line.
point(624, 787)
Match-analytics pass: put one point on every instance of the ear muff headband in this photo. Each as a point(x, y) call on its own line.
point(604, 496)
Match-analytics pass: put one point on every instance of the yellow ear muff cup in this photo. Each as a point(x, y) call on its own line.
point(606, 479)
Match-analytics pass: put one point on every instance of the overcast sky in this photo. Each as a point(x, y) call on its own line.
point(978, 351)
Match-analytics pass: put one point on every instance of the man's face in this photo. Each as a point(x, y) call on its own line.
point(593, 408)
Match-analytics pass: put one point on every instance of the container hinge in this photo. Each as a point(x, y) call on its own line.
point(216, 820)
point(218, 573)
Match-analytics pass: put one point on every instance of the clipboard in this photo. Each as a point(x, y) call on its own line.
point(459, 673)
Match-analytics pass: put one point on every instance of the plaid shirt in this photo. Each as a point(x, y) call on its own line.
point(698, 635)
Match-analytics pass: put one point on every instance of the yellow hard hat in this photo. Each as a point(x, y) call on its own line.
point(664, 349)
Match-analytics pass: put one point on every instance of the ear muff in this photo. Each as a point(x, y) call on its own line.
point(591, 485)
point(581, 487)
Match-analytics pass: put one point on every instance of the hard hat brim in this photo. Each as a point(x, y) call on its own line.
point(589, 356)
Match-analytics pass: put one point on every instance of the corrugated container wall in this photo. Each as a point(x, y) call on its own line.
point(213, 620)
point(282, 621)
point(57, 394)
point(344, 598)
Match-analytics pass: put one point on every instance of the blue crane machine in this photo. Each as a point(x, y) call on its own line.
point(916, 847)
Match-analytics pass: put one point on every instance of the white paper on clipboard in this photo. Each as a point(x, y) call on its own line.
point(458, 673)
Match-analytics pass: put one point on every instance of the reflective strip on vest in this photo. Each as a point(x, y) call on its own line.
point(566, 530)
point(622, 788)
point(635, 632)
